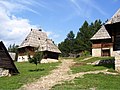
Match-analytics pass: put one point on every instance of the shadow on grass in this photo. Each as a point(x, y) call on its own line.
point(36, 70)
point(109, 63)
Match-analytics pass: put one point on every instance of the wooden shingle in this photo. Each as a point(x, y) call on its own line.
point(6, 61)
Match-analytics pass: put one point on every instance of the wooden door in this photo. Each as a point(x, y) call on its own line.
point(106, 52)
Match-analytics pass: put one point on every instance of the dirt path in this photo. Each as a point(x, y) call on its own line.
point(62, 73)
point(45, 83)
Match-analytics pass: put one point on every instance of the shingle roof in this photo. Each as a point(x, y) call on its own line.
point(49, 46)
point(5, 59)
point(34, 38)
point(39, 39)
point(101, 34)
point(115, 18)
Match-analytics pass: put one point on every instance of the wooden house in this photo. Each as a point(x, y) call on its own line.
point(102, 43)
point(37, 39)
point(106, 40)
point(108, 44)
point(7, 66)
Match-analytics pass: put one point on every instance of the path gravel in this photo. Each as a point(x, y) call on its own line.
point(46, 82)
point(57, 76)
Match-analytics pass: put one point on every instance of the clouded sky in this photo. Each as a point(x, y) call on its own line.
point(56, 17)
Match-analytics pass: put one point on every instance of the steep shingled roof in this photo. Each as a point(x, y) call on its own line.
point(34, 39)
point(49, 46)
point(37, 38)
point(115, 18)
point(5, 60)
point(101, 34)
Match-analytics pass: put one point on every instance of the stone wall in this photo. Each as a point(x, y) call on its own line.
point(48, 60)
point(117, 65)
point(4, 72)
point(104, 62)
point(117, 61)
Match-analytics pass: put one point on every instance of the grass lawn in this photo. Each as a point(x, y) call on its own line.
point(27, 75)
point(82, 66)
point(91, 81)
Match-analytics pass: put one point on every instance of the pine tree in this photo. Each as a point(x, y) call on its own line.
point(81, 43)
point(67, 47)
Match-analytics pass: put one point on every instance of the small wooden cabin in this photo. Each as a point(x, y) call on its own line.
point(7, 66)
point(102, 43)
point(113, 26)
point(110, 44)
point(37, 39)
point(107, 39)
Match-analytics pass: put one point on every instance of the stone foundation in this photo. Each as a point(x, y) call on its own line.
point(49, 60)
point(4, 72)
point(117, 61)
point(117, 65)
point(104, 62)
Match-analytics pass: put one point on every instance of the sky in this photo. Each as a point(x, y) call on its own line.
point(56, 17)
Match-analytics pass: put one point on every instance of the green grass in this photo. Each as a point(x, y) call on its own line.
point(91, 81)
point(27, 75)
point(85, 68)
point(66, 58)
point(82, 66)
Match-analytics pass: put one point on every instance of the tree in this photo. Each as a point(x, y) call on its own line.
point(70, 36)
point(85, 33)
point(81, 43)
point(83, 37)
point(36, 58)
point(13, 48)
point(65, 46)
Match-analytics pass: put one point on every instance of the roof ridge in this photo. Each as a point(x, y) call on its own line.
point(115, 18)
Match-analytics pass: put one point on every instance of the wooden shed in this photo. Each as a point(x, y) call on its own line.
point(37, 39)
point(102, 43)
point(7, 66)
point(108, 41)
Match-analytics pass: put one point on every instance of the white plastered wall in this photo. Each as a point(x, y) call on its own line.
point(23, 58)
point(112, 52)
point(96, 52)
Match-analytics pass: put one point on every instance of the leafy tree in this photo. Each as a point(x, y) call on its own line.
point(36, 58)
